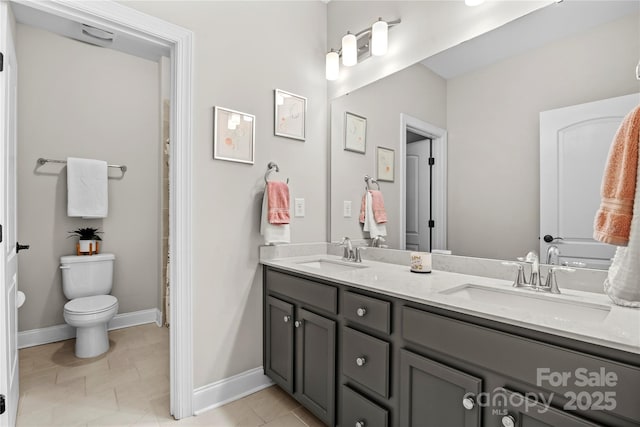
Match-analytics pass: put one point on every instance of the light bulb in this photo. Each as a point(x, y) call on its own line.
point(379, 37)
point(349, 50)
point(332, 65)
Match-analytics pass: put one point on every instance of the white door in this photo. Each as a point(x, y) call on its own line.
point(574, 145)
point(8, 254)
point(418, 189)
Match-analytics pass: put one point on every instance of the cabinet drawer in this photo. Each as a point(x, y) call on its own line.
point(518, 357)
point(307, 291)
point(365, 359)
point(356, 408)
point(367, 311)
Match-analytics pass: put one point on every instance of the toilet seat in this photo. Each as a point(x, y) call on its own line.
point(91, 305)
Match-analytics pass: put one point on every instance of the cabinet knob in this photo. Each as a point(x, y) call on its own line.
point(508, 421)
point(298, 323)
point(468, 402)
point(361, 423)
point(286, 319)
point(361, 311)
point(361, 361)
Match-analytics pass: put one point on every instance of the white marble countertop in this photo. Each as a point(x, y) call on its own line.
point(620, 329)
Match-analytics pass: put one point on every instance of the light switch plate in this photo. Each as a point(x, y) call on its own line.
point(347, 209)
point(298, 207)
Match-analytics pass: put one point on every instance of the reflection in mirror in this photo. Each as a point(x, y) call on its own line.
point(476, 109)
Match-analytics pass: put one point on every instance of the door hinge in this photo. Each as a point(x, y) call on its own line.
point(3, 406)
point(432, 223)
point(1, 61)
point(432, 161)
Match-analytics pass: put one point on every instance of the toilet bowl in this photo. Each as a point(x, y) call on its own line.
point(86, 282)
point(90, 316)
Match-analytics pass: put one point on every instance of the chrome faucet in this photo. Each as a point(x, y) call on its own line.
point(351, 253)
point(553, 255)
point(377, 241)
point(535, 279)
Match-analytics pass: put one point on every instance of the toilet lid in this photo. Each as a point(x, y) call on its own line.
point(94, 304)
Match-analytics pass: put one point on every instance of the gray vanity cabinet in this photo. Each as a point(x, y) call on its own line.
point(433, 394)
point(278, 342)
point(519, 411)
point(316, 364)
point(299, 343)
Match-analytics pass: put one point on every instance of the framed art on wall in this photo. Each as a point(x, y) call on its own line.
point(386, 164)
point(290, 115)
point(233, 135)
point(355, 133)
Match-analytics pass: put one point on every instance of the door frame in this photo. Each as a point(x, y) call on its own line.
point(439, 194)
point(119, 18)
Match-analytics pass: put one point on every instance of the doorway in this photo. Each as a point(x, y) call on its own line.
point(423, 185)
point(155, 33)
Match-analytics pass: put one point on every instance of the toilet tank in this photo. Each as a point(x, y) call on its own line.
point(87, 275)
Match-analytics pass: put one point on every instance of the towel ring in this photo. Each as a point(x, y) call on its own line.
point(370, 181)
point(272, 167)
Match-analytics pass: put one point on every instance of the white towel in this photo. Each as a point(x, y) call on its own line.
point(273, 233)
point(623, 282)
point(370, 224)
point(87, 191)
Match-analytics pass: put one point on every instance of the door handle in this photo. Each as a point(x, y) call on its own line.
point(549, 238)
point(20, 247)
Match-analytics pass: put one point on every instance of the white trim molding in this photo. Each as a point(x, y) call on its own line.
point(229, 389)
point(439, 137)
point(112, 16)
point(57, 333)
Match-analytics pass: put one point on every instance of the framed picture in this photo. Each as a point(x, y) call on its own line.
point(290, 115)
point(386, 164)
point(355, 133)
point(233, 135)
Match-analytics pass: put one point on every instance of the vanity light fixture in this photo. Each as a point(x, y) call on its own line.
point(349, 50)
point(359, 46)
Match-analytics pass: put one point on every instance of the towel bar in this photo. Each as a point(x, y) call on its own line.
point(42, 161)
point(370, 181)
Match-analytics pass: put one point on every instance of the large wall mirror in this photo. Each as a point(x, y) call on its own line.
point(476, 109)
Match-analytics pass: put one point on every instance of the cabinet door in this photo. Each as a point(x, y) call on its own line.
point(519, 411)
point(433, 394)
point(316, 364)
point(279, 342)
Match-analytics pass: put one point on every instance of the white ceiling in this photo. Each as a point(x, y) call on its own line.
point(531, 31)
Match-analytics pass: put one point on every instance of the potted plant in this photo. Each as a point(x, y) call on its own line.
point(88, 238)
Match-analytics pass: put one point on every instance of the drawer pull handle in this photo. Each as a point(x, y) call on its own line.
point(361, 311)
point(286, 319)
point(508, 421)
point(361, 423)
point(468, 402)
point(361, 361)
point(298, 323)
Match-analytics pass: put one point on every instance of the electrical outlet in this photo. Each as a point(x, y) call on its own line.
point(347, 209)
point(299, 207)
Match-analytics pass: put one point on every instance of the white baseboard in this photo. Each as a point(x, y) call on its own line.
point(229, 389)
point(56, 333)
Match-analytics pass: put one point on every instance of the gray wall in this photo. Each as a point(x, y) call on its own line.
point(493, 125)
point(415, 91)
point(78, 100)
point(243, 51)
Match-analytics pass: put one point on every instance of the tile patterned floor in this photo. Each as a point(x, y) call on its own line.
point(129, 386)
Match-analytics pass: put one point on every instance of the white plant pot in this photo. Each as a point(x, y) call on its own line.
point(87, 245)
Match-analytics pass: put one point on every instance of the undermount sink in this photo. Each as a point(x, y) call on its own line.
point(331, 266)
point(533, 302)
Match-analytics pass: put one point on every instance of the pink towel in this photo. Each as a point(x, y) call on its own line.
point(278, 202)
point(379, 213)
point(613, 220)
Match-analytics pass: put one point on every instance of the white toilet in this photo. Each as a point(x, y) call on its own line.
point(87, 281)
